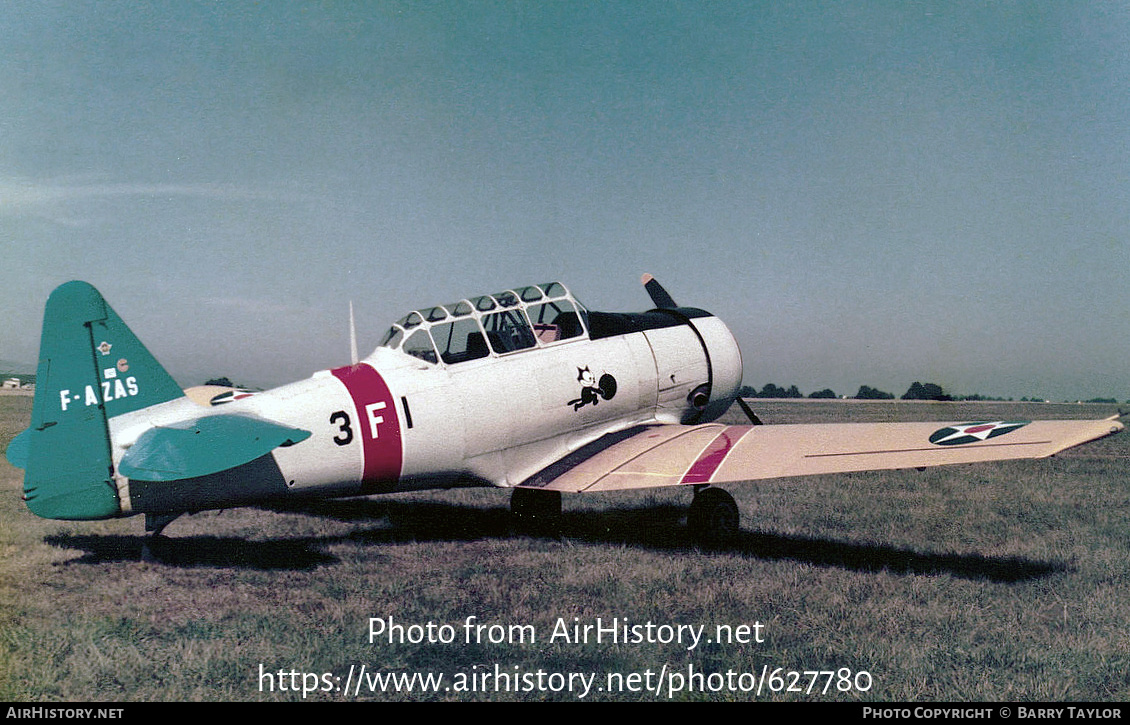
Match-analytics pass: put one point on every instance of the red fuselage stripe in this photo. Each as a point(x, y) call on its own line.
point(376, 424)
point(711, 458)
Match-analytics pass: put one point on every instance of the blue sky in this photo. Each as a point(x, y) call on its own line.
point(868, 193)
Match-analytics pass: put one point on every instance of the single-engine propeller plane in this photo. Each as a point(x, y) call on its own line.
point(525, 389)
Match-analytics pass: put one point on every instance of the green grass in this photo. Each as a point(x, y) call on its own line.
point(984, 582)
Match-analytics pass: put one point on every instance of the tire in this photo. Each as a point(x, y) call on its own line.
point(536, 513)
point(713, 519)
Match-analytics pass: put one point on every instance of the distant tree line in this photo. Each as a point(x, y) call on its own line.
point(917, 391)
point(866, 392)
point(929, 391)
point(773, 391)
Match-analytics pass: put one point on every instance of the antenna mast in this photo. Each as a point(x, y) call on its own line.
point(353, 359)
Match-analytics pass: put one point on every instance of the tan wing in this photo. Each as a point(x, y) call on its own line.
point(672, 455)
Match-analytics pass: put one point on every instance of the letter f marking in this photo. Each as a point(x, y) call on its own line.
point(374, 420)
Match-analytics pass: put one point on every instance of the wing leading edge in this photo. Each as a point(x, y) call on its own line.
point(673, 455)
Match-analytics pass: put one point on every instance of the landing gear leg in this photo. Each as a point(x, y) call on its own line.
point(713, 518)
point(537, 513)
point(155, 524)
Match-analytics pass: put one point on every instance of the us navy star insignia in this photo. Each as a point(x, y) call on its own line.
point(956, 435)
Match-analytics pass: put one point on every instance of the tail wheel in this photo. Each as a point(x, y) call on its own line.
point(713, 519)
point(537, 513)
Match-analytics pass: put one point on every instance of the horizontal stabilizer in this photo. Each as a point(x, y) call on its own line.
point(673, 455)
point(19, 449)
point(204, 446)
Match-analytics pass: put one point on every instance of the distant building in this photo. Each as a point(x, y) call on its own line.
point(11, 384)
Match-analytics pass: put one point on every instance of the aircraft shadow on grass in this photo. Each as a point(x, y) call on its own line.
point(655, 527)
point(296, 554)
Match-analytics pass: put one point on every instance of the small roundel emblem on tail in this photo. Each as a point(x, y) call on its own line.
point(961, 434)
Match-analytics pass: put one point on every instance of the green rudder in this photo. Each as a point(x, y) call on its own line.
point(91, 368)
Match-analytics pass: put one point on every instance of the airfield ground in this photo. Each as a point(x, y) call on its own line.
point(985, 582)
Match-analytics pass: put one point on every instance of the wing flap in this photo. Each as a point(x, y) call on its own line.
point(713, 453)
point(203, 446)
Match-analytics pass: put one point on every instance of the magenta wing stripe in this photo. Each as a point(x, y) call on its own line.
point(711, 458)
point(377, 425)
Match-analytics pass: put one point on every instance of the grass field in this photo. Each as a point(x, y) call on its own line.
point(985, 582)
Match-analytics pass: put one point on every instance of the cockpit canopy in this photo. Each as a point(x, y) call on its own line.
point(499, 324)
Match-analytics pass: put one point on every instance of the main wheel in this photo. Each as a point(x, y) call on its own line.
point(713, 518)
point(537, 513)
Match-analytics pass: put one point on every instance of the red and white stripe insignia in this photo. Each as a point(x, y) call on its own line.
point(708, 462)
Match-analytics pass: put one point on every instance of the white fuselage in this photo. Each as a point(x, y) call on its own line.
point(394, 422)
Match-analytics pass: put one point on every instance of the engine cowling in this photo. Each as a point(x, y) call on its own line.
point(724, 361)
point(698, 366)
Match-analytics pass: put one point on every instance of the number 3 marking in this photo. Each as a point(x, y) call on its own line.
point(346, 433)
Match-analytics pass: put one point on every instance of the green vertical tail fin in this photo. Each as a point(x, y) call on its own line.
point(91, 368)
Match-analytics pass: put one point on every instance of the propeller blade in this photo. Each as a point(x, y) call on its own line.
point(659, 295)
point(749, 412)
